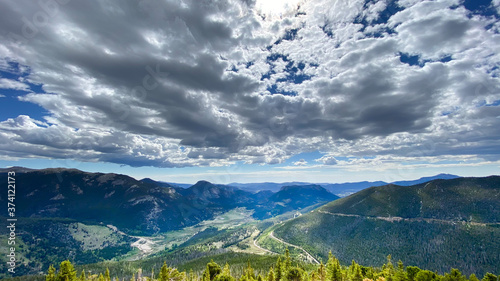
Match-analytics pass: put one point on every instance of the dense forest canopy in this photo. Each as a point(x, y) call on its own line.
point(284, 269)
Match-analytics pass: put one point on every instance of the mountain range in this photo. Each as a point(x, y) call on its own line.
point(144, 207)
point(339, 189)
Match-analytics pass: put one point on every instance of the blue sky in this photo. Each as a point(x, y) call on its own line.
point(315, 90)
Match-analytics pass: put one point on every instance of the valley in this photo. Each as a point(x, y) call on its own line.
point(149, 245)
point(442, 223)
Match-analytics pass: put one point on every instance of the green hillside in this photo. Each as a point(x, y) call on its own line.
point(436, 225)
point(462, 199)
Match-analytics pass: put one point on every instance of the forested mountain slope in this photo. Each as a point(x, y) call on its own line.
point(469, 199)
point(436, 225)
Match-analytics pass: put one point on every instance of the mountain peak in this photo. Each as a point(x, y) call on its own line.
point(302, 187)
point(203, 184)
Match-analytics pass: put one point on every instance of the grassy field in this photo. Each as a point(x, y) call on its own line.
point(94, 237)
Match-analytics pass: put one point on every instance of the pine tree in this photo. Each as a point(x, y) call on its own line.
point(294, 274)
point(455, 275)
point(314, 276)
point(213, 269)
point(163, 272)
point(270, 275)
point(191, 276)
point(66, 272)
point(225, 274)
point(321, 276)
point(411, 272)
point(426, 275)
point(106, 275)
point(305, 277)
point(226, 270)
point(489, 277)
point(82, 276)
point(51, 274)
point(357, 276)
point(101, 278)
point(279, 270)
point(288, 260)
point(333, 270)
point(352, 268)
point(389, 265)
point(400, 272)
point(473, 277)
point(249, 272)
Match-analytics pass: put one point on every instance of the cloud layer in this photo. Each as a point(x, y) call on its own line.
point(210, 83)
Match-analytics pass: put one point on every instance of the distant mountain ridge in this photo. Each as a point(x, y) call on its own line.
point(294, 197)
point(140, 207)
point(426, 179)
point(339, 189)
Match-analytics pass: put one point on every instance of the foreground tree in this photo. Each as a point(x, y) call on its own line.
point(66, 272)
point(51, 274)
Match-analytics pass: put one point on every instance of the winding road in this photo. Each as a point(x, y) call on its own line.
point(260, 248)
point(393, 219)
point(309, 256)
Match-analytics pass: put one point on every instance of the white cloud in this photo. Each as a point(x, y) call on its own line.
point(327, 160)
point(10, 84)
point(189, 84)
point(301, 162)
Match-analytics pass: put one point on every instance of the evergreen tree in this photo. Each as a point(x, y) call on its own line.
point(294, 274)
point(82, 276)
point(288, 260)
point(454, 275)
point(333, 270)
point(163, 272)
point(206, 274)
point(489, 277)
point(352, 268)
point(172, 274)
point(400, 274)
point(191, 276)
point(367, 272)
point(305, 276)
point(279, 270)
point(473, 277)
point(213, 269)
point(270, 275)
point(51, 274)
point(357, 276)
point(225, 275)
point(321, 272)
point(249, 274)
point(66, 272)
point(411, 272)
point(101, 278)
point(314, 276)
point(106, 275)
point(389, 266)
point(425, 275)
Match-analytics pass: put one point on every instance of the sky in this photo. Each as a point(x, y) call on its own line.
point(251, 90)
